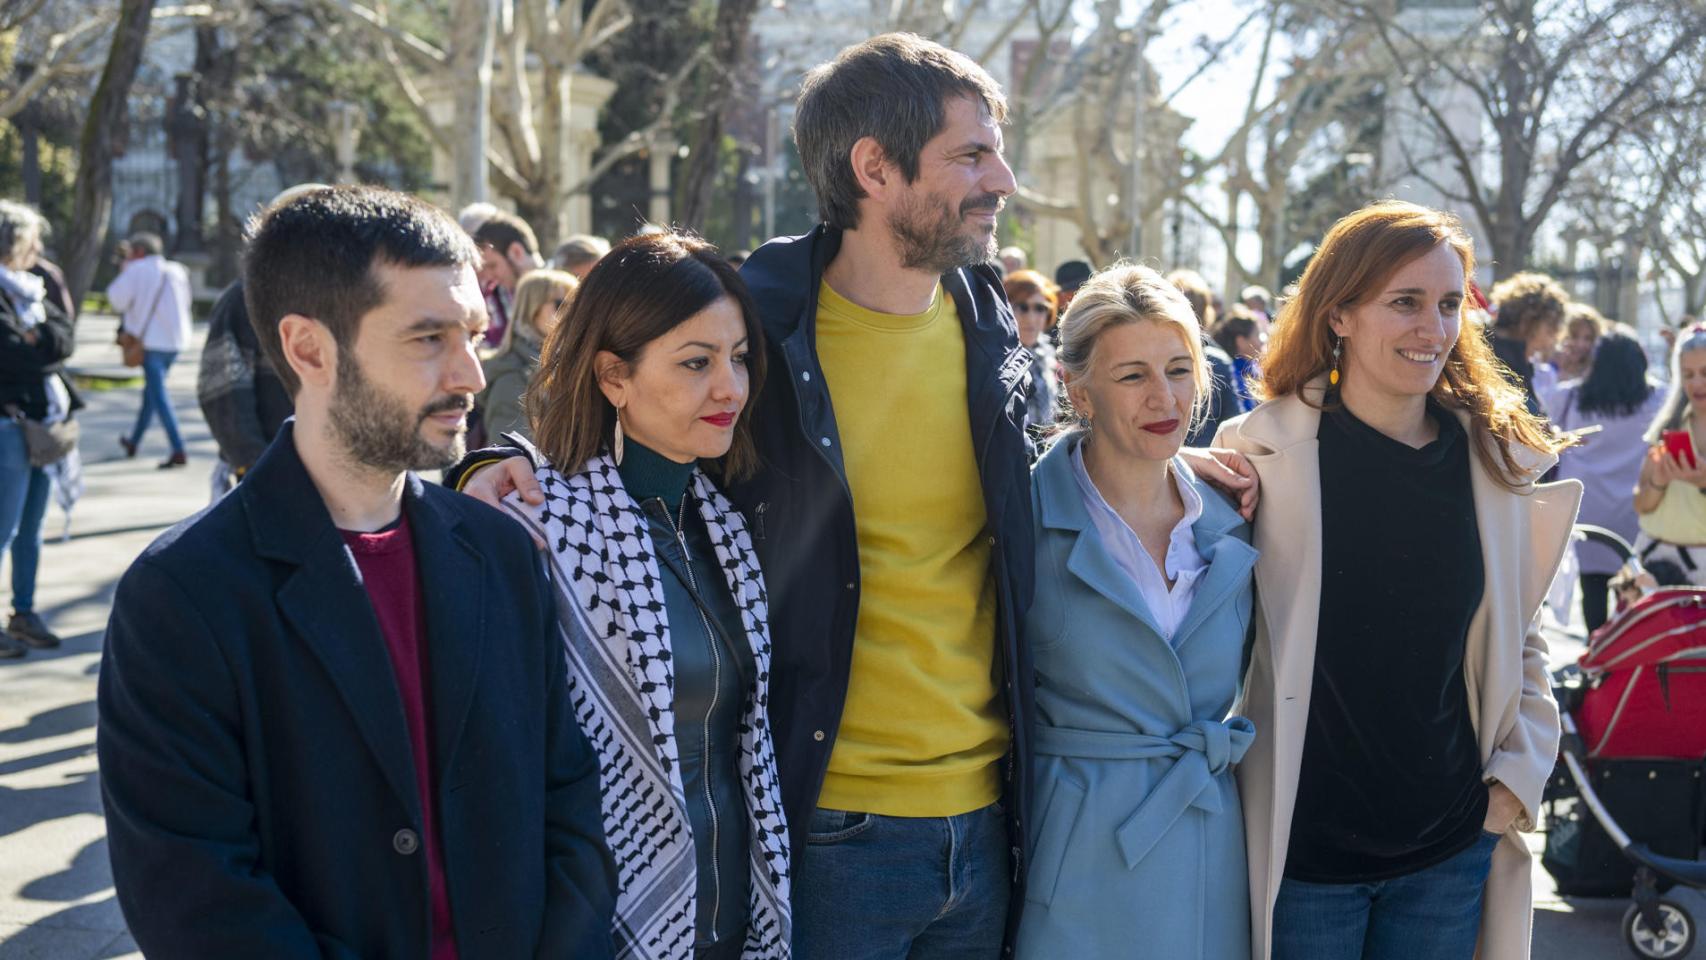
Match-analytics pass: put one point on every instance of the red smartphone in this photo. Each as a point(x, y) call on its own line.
point(1679, 445)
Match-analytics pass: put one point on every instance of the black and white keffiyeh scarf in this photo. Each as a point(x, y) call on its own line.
point(610, 610)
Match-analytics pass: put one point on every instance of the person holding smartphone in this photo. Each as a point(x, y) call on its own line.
point(1668, 498)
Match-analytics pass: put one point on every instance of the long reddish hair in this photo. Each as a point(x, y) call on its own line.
point(1355, 261)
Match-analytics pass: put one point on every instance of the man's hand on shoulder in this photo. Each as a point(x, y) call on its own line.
point(490, 483)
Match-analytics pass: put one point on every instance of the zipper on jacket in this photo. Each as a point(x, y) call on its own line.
point(678, 526)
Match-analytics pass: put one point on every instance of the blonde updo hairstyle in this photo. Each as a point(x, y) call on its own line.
point(1121, 294)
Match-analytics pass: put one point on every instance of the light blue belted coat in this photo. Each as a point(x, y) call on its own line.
point(1139, 838)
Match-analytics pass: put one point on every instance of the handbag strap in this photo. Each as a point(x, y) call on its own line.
point(159, 289)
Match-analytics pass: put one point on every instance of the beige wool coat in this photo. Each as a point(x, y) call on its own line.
point(1523, 538)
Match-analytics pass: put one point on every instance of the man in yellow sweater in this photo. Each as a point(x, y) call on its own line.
point(896, 529)
point(892, 515)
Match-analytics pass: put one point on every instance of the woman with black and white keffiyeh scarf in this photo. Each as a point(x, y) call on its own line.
point(661, 605)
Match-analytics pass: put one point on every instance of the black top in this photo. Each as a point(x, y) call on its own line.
point(713, 667)
point(1391, 777)
point(1513, 353)
point(25, 366)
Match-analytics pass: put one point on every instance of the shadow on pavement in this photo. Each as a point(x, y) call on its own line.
point(89, 874)
point(53, 723)
point(47, 759)
point(94, 930)
point(74, 646)
point(22, 809)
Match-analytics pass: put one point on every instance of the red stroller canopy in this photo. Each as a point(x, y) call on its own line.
point(1647, 671)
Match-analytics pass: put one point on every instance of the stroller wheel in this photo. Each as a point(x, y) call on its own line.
point(1674, 939)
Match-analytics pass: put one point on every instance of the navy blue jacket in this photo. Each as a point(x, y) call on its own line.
point(801, 515)
point(255, 761)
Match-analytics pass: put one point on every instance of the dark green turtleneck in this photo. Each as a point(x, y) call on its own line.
point(647, 474)
point(713, 662)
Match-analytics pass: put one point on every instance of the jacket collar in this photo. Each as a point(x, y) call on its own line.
point(1285, 422)
point(329, 610)
point(774, 272)
point(1061, 507)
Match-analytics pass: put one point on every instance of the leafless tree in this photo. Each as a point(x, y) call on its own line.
point(1284, 130)
point(1126, 168)
point(517, 52)
point(730, 40)
point(1557, 83)
point(93, 191)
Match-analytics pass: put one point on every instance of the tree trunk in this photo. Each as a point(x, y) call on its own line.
point(728, 59)
point(471, 125)
point(30, 160)
point(227, 237)
point(555, 77)
point(1510, 246)
point(92, 203)
point(186, 129)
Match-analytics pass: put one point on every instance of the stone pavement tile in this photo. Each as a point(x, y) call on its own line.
point(56, 898)
point(64, 940)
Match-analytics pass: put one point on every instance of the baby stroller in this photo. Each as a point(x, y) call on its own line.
point(1625, 807)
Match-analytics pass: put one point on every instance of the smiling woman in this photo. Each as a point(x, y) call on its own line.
point(1137, 629)
point(1406, 722)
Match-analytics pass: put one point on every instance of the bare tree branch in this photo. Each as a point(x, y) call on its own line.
point(421, 53)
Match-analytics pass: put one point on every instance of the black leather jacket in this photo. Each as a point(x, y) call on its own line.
point(713, 665)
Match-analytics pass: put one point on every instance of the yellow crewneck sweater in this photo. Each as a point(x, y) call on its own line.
point(922, 732)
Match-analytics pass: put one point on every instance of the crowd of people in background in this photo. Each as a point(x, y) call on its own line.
point(920, 466)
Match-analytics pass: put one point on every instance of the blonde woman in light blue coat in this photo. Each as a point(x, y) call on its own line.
point(1142, 605)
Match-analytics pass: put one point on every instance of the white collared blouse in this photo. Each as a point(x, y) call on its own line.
point(1184, 564)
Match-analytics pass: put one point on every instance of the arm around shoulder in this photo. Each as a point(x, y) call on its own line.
point(174, 785)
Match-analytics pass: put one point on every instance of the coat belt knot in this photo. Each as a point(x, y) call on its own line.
point(1202, 751)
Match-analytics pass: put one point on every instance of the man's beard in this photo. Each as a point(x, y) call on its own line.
point(933, 237)
point(377, 431)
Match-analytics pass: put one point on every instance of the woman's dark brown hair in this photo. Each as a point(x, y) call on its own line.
point(639, 291)
point(1359, 255)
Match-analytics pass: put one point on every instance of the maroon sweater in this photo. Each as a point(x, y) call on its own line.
point(387, 562)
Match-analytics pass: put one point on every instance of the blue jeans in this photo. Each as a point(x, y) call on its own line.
point(1432, 914)
point(870, 887)
point(23, 501)
point(155, 364)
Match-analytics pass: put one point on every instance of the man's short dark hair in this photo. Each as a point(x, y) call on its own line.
point(894, 88)
point(314, 256)
point(502, 229)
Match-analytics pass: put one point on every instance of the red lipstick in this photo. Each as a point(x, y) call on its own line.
point(720, 420)
point(1162, 427)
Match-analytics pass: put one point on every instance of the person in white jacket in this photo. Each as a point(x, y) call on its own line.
point(152, 295)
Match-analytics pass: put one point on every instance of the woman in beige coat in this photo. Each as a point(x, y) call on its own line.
point(1399, 689)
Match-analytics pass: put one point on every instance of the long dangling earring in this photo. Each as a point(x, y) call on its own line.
point(616, 443)
point(1338, 348)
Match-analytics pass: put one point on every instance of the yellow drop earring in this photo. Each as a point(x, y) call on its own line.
point(1338, 348)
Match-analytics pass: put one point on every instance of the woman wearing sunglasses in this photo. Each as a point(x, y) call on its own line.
point(1034, 300)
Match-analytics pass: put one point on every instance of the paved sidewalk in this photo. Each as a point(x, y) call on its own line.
point(56, 897)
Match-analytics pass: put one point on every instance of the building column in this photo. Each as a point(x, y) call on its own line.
point(661, 159)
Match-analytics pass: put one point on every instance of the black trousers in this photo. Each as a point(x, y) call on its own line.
point(1596, 590)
